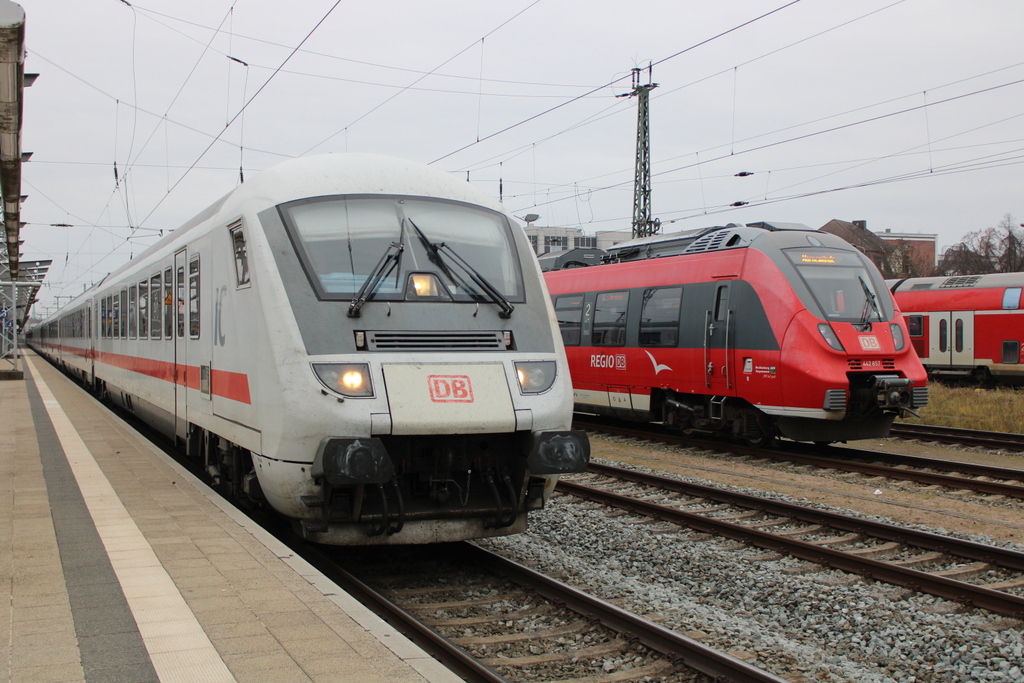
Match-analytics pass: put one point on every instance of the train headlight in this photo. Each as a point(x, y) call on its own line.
point(830, 336)
point(535, 376)
point(347, 379)
point(897, 336)
point(425, 286)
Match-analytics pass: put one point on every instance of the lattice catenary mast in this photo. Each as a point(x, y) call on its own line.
point(643, 224)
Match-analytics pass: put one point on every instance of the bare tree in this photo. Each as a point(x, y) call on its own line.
point(1011, 260)
point(993, 250)
point(905, 262)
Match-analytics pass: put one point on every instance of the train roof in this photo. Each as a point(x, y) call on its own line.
point(731, 236)
point(309, 176)
point(945, 282)
point(571, 258)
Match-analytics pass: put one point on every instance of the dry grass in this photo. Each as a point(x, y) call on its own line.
point(996, 410)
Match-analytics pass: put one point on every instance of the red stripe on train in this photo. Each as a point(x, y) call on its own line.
point(230, 385)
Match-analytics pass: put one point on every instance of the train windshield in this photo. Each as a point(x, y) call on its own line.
point(841, 285)
point(342, 240)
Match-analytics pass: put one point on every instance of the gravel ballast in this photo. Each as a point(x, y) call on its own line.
point(787, 616)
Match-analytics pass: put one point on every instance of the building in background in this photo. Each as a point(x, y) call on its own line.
point(915, 254)
point(897, 254)
point(547, 240)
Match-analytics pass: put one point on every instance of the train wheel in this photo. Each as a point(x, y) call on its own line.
point(762, 441)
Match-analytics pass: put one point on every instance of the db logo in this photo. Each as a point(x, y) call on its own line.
point(450, 388)
point(870, 344)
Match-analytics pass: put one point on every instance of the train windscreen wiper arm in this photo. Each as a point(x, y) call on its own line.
point(869, 303)
point(387, 263)
point(436, 250)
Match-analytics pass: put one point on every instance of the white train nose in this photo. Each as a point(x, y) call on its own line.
point(436, 398)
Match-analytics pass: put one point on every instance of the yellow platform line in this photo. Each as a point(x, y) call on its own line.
point(178, 647)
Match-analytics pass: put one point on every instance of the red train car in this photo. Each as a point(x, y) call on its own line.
point(968, 326)
point(752, 331)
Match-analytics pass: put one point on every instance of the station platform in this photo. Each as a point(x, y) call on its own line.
point(118, 565)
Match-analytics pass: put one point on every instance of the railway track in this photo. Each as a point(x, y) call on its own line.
point(491, 619)
point(613, 644)
point(998, 482)
point(959, 437)
point(969, 573)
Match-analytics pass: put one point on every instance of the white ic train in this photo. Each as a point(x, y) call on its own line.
point(365, 344)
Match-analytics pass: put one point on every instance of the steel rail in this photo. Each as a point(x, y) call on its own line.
point(655, 432)
point(954, 435)
point(445, 651)
point(962, 592)
point(969, 468)
point(675, 646)
point(930, 478)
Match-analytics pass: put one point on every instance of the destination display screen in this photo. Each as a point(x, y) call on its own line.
point(841, 285)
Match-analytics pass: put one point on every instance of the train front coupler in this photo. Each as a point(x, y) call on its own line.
point(893, 393)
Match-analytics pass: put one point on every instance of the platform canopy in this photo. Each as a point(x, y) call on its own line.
point(12, 83)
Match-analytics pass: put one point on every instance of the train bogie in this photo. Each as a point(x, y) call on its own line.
point(363, 344)
point(749, 331)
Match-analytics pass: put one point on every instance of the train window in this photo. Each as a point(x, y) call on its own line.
point(943, 336)
point(1011, 299)
point(610, 319)
point(103, 318)
point(341, 240)
point(168, 305)
point(115, 317)
point(181, 302)
point(124, 313)
point(659, 317)
point(144, 309)
point(241, 256)
point(915, 325)
point(133, 312)
point(155, 307)
point(721, 303)
point(959, 336)
point(193, 298)
point(569, 311)
point(1011, 352)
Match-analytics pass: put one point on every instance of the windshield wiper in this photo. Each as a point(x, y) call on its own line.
point(434, 252)
point(869, 303)
point(388, 262)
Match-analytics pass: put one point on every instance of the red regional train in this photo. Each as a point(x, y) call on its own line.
point(751, 331)
point(967, 326)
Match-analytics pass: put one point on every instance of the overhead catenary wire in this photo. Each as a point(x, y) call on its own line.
point(576, 185)
point(244, 106)
point(613, 82)
point(594, 118)
point(447, 61)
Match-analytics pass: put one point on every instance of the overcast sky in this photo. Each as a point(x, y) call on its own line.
point(908, 114)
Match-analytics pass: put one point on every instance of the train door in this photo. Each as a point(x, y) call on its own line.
point(90, 345)
point(952, 339)
point(180, 356)
point(718, 333)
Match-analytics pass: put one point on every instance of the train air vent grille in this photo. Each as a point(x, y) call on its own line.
point(708, 242)
point(919, 396)
point(835, 399)
point(921, 287)
point(435, 341)
point(960, 281)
